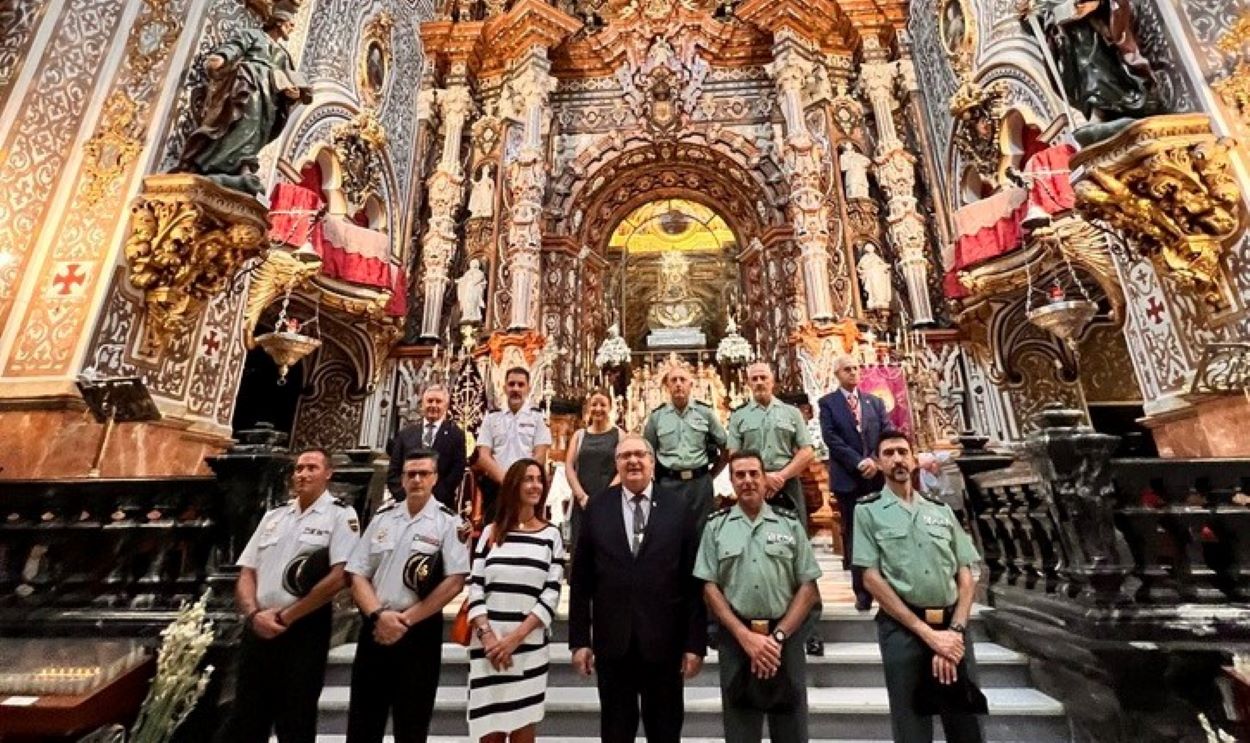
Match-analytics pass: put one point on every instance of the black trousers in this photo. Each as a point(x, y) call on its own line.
point(846, 508)
point(490, 497)
point(397, 681)
point(626, 680)
point(279, 683)
point(906, 659)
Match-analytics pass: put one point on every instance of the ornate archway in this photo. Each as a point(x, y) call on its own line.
point(612, 179)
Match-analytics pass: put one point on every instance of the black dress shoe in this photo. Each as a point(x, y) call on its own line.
point(863, 604)
point(815, 646)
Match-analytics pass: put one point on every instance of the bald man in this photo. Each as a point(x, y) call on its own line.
point(851, 422)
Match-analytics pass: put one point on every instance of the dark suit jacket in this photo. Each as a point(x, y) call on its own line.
point(448, 442)
point(615, 597)
point(847, 447)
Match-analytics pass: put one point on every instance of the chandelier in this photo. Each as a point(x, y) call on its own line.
point(1060, 316)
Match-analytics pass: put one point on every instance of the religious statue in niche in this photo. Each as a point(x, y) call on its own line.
point(482, 198)
point(471, 293)
point(855, 166)
point(874, 272)
point(1099, 62)
point(673, 307)
point(253, 88)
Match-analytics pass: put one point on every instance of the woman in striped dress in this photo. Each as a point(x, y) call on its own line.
point(513, 592)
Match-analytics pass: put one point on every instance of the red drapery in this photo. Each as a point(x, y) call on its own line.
point(349, 252)
point(991, 227)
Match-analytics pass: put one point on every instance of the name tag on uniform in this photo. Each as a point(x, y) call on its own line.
point(936, 521)
point(427, 540)
point(780, 539)
point(314, 531)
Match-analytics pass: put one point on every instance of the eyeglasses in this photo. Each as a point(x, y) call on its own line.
point(632, 454)
point(419, 474)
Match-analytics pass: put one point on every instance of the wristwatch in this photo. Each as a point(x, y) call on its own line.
point(480, 631)
point(958, 627)
point(779, 635)
point(375, 614)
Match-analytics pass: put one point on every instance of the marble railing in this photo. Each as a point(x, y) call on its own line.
point(1068, 520)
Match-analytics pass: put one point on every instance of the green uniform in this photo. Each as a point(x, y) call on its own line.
point(759, 565)
point(776, 431)
point(685, 443)
point(918, 549)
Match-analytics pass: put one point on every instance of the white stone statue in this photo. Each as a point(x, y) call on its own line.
point(855, 172)
point(482, 198)
point(874, 271)
point(471, 293)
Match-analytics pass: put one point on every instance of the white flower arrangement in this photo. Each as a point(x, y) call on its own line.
point(733, 348)
point(178, 683)
point(614, 351)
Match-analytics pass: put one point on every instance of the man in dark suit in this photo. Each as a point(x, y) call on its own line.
point(636, 612)
point(850, 423)
point(434, 432)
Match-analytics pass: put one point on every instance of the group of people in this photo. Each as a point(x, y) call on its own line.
point(653, 567)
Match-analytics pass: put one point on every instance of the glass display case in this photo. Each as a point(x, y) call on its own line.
point(64, 666)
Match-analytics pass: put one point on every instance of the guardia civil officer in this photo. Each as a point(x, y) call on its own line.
point(778, 432)
point(689, 443)
point(409, 564)
point(917, 565)
point(760, 585)
point(291, 569)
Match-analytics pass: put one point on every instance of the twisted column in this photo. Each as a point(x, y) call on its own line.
point(896, 174)
point(445, 193)
point(527, 180)
point(802, 163)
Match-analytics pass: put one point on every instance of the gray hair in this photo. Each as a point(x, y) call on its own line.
point(844, 360)
point(637, 437)
point(436, 387)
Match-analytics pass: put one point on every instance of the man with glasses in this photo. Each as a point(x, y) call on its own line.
point(434, 432)
point(636, 613)
point(851, 422)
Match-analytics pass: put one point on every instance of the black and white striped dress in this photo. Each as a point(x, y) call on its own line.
point(509, 582)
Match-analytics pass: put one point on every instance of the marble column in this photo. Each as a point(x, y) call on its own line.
point(803, 165)
point(896, 174)
point(445, 193)
point(527, 181)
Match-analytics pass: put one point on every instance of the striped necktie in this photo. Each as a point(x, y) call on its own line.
point(640, 523)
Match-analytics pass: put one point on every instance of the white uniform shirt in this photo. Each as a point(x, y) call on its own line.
point(393, 536)
point(285, 533)
point(512, 436)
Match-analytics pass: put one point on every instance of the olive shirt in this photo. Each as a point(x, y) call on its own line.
point(759, 565)
point(681, 438)
point(776, 431)
point(918, 548)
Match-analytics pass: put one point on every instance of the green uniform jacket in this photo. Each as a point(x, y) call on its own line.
point(759, 565)
point(918, 549)
point(681, 439)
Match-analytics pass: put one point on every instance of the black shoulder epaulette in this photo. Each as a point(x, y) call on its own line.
point(700, 402)
point(443, 507)
point(786, 513)
point(388, 505)
point(719, 512)
point(340, 503)
point(930, 497)
point(869, 498)
point(657, 407)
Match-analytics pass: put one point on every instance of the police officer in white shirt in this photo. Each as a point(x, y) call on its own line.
point(508, 435)
point(409, 564)
point(291, 569)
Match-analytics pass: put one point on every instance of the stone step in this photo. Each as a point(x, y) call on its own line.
point(843, 664)
point(858, 713)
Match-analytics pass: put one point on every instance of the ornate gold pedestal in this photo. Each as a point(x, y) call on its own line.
point(1166, 184)
point(188, 237)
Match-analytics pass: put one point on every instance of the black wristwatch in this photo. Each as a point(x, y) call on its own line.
point(957, 627)
point(779, 635)
point(375, 614)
